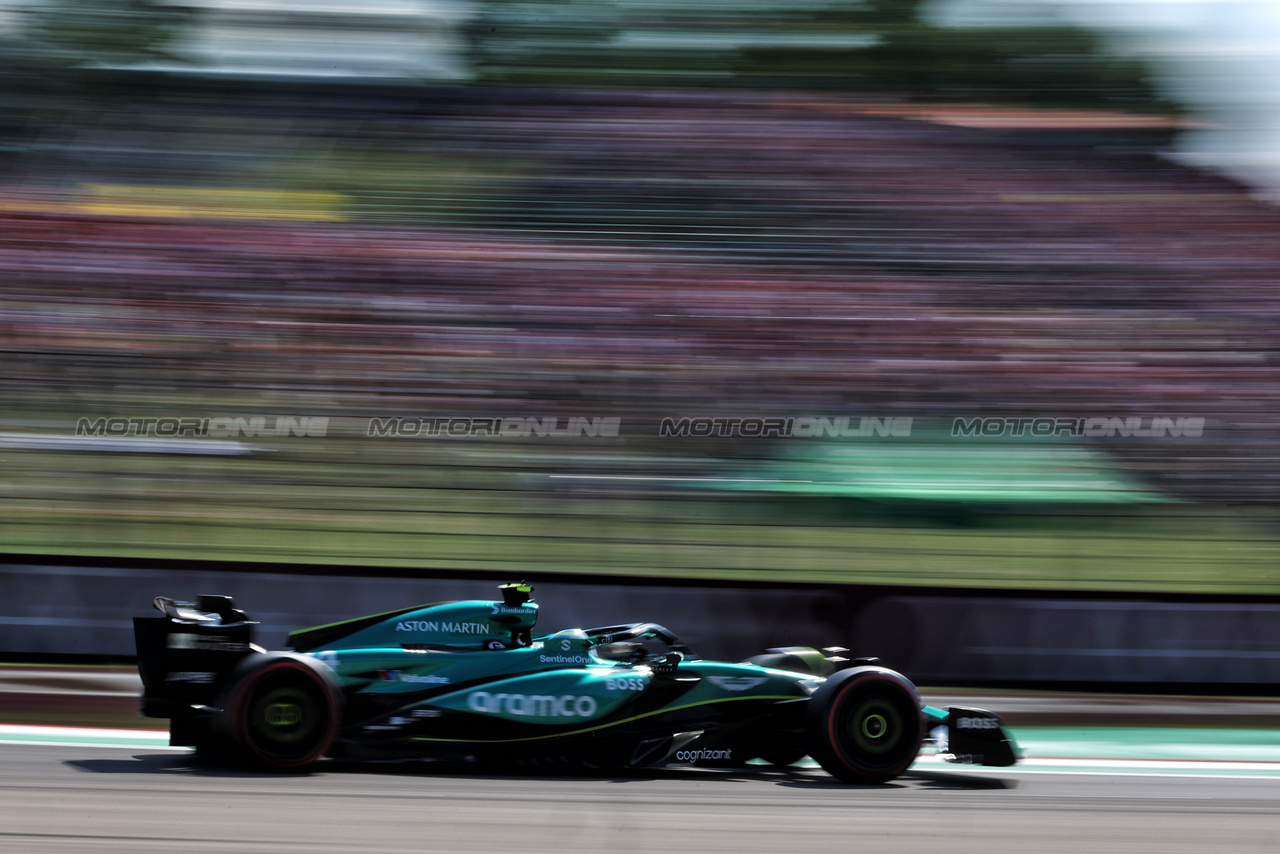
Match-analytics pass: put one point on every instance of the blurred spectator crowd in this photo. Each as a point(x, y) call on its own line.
point(695, 255)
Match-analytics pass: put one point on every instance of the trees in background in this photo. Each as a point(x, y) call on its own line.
point(877, 46)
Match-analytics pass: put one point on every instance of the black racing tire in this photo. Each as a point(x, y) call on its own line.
point(281, 713)
point(865, 725)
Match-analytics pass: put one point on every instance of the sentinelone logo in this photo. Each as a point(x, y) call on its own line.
point(801, 428)
point(506, 427)
point(1097, 427)
point(219, 428)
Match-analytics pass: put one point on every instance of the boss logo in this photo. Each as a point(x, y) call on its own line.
point(624, 684)
point(977, 723)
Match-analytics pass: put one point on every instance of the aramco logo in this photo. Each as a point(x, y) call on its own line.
point(532, 705)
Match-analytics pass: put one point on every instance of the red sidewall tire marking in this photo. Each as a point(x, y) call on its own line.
point(838, 701)
point(239, 722)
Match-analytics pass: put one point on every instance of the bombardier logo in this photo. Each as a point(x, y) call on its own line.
point(532, 705)
point(737, 683)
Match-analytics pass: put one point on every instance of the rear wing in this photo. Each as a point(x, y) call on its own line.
point(186, 656)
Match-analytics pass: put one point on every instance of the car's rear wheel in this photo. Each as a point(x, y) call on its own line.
point(282, 713)
point(865, 725)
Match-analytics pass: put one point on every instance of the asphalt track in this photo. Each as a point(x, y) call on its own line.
point(82, 796)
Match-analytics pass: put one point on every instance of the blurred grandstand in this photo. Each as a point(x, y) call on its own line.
point(213, 246)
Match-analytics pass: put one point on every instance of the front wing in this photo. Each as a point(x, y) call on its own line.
point(971, 736)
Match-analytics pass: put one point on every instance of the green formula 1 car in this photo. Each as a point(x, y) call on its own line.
point(471, 682)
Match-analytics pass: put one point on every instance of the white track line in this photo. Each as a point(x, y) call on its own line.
point(57, 736)
point(70, 736)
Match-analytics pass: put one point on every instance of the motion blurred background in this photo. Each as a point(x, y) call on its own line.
point(894, 215)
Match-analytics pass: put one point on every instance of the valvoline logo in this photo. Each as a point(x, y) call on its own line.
point(401, 676)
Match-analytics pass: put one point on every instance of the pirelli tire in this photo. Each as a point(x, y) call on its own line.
point(281, 711)
point(865, 725)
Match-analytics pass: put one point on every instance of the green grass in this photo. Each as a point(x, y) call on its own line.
point(437, 513)
point(491, 504)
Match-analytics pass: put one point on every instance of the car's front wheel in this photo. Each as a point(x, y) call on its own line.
point(865, 725)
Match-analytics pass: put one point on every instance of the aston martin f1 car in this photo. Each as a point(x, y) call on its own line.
point(471, 682)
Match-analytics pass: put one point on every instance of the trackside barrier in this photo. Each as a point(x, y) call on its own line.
point(954, 638)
